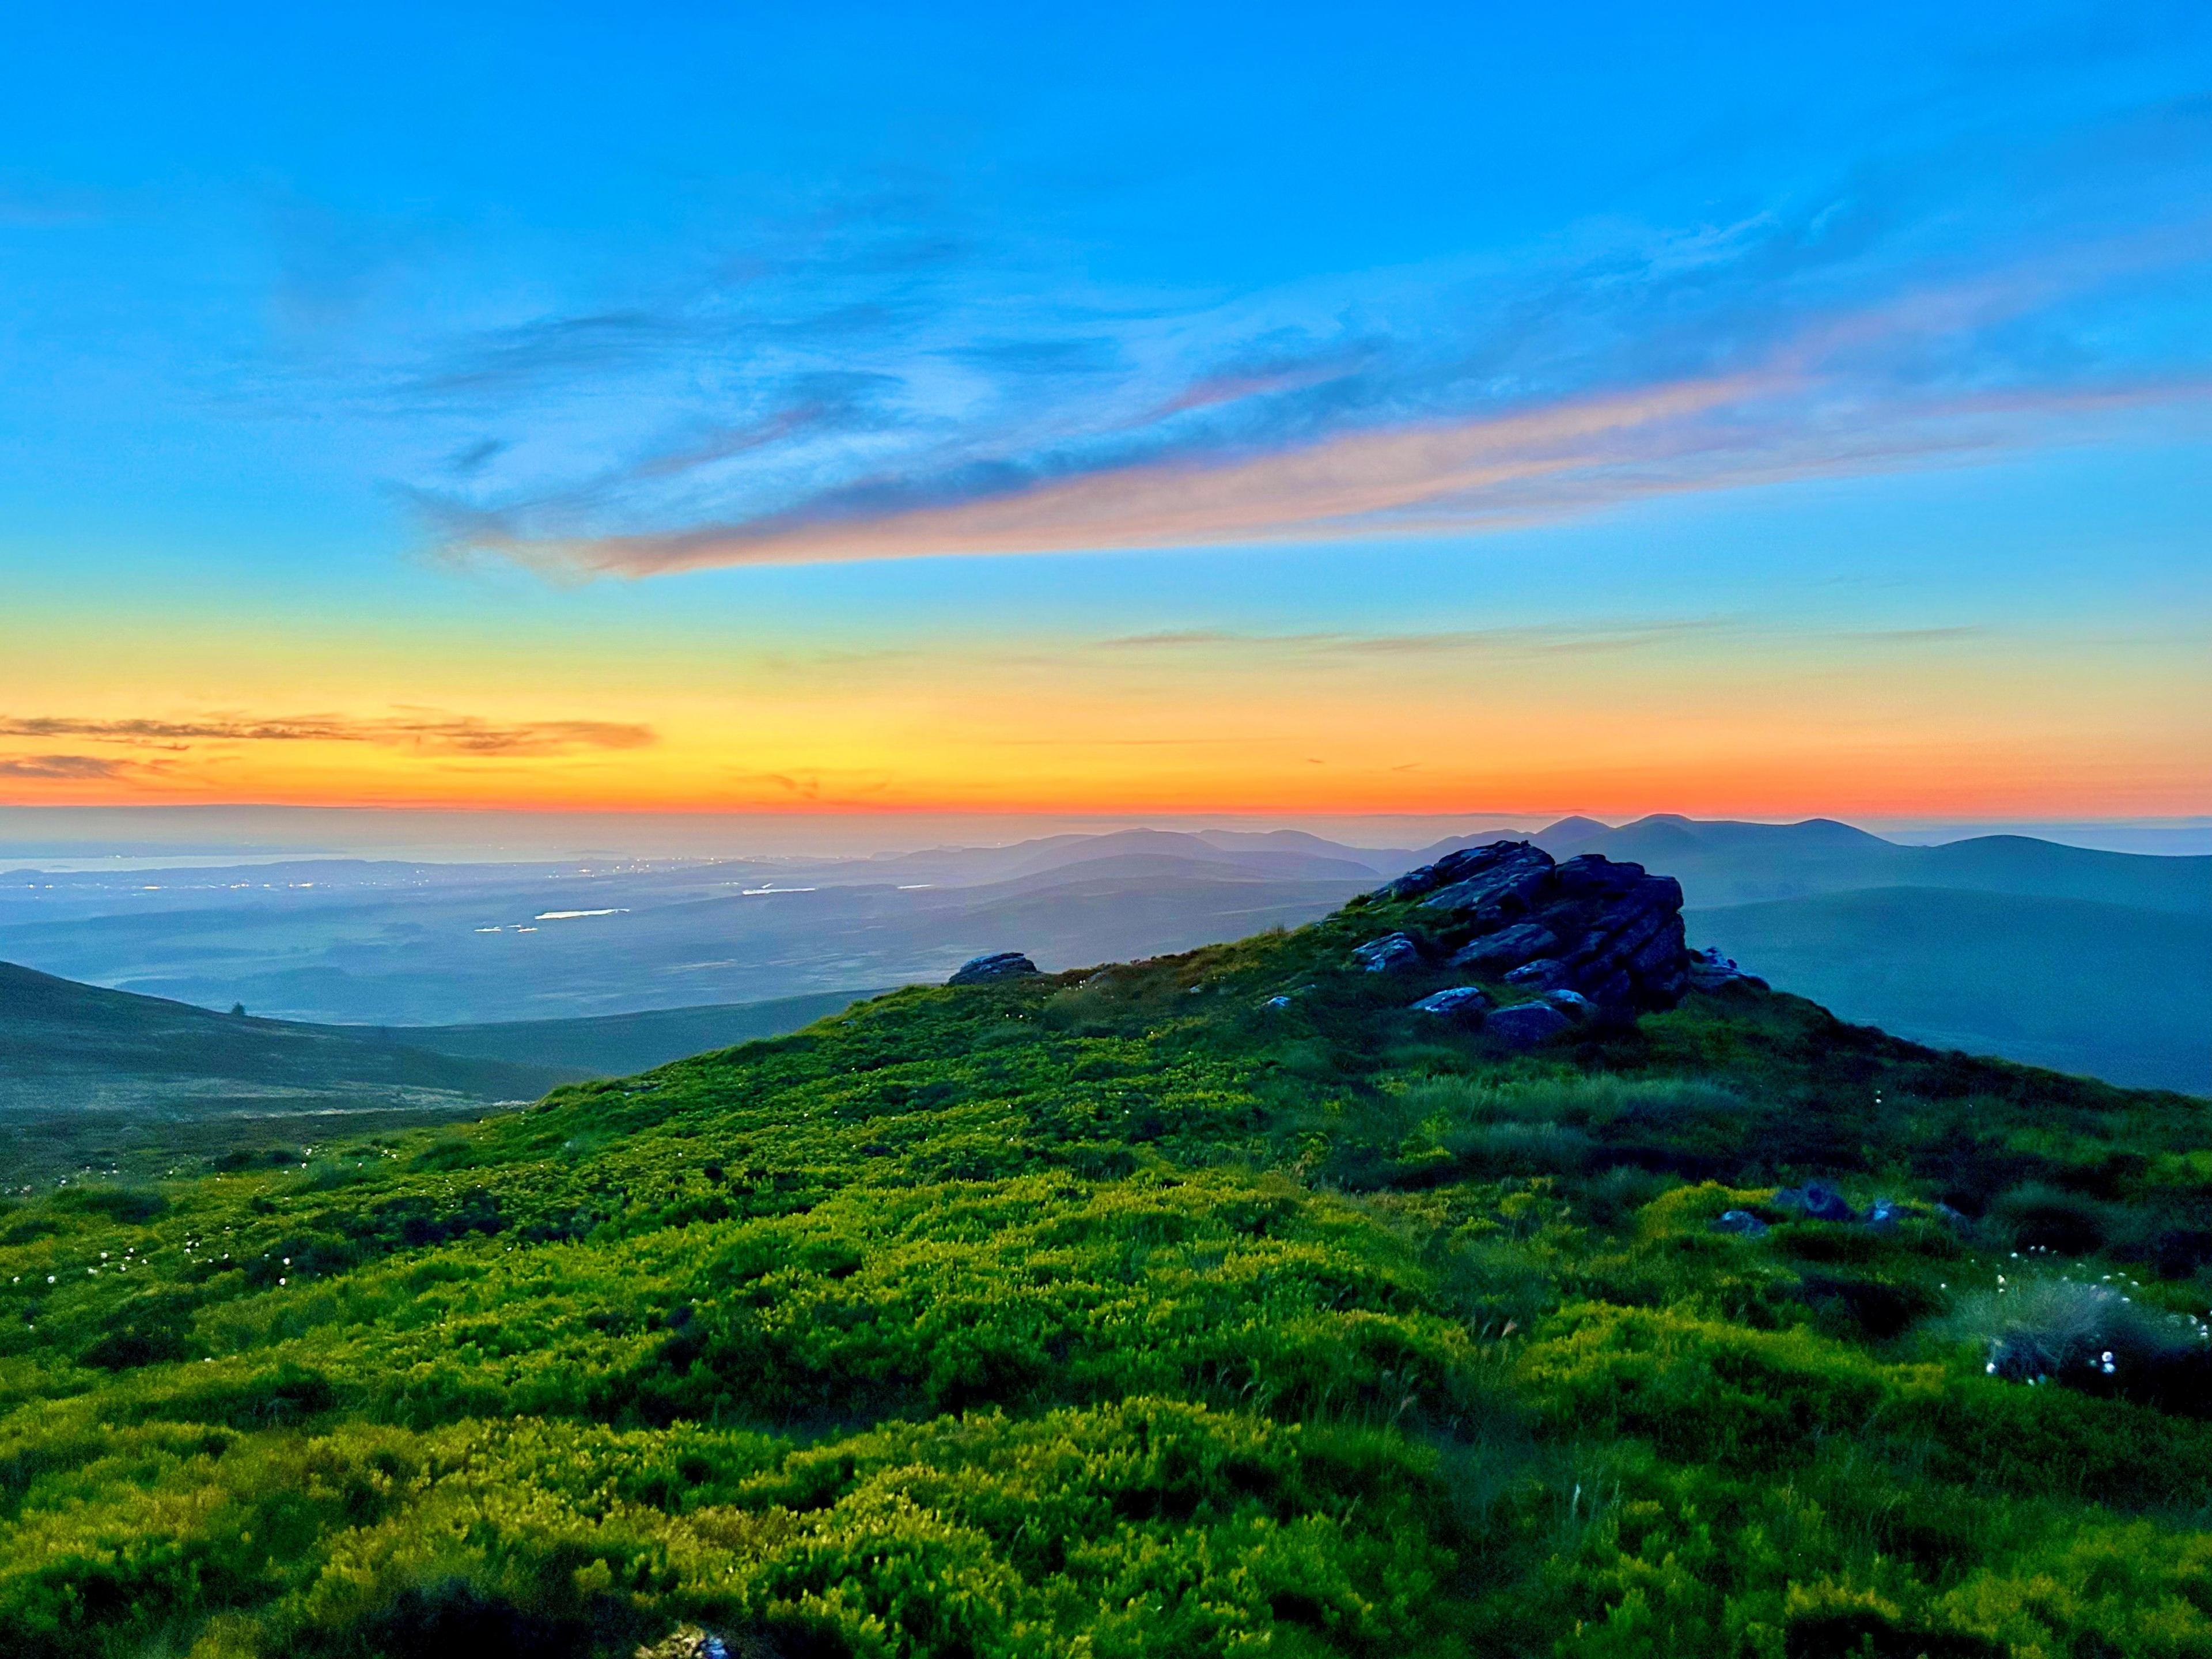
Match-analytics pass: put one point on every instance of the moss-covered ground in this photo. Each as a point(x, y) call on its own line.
point(1127, 1313)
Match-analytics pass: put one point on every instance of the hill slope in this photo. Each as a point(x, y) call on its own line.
point(66, 1046)
point(608, 1044)
point(1215, 1304)
point(2118, 993)
point(1720, 863)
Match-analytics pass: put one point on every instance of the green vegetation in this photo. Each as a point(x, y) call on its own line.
point(67, 1048)
point(1128, 1313)
point(110, 1084)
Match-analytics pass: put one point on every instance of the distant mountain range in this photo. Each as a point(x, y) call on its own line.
point(2096, 961)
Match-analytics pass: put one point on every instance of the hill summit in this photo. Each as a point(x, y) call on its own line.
point(1303, 1296)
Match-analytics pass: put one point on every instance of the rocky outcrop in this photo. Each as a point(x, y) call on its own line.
point(1525, 1026)
point(1461, 1004)
point(982, 970)
point(1388, 954)
point(1709, 970)
point(1507, 948)
point(1607, 932)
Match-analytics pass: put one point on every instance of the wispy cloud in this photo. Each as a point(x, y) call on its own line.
point(428, 730)
point(886, 381)
point(61, 767)
point(1534, 640)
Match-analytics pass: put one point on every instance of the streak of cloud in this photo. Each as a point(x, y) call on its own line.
point(890, 381)
point(60, 768)
point(430, 731)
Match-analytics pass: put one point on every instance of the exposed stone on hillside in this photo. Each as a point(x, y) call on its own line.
point(1525, 1026)
point(1388, 954)
point(1709, 970)
point(1507, 948)
point(981, 971)
point(1465, 1004)
point(1609, 932)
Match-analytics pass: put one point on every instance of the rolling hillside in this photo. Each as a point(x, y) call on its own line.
point(1722, 863)
point(71, 1048)
point(611, 1044)
point(1221, 1305)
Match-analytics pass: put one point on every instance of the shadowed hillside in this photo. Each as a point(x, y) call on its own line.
point(66, 1046)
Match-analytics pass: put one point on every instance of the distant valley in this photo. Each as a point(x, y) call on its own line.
point(2095, 961)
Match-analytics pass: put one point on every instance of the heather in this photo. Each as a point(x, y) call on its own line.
point(1218, 1303)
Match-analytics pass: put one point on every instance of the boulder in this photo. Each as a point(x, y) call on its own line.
point(1544, 972)
point(1389, 954)
point(1506, 949)
point(1739, 1221)
point(689, 1642)
point(1573, 1004)
point(982, 970)
point(1506, 888)
point(1276, 1002)
point(1464, 1004)
point(1957, 1220)
point(1526, 1025)
point(1815, 1202)
point(1453, 867)
point(1709, 970)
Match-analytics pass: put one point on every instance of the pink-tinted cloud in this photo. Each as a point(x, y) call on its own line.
point(1535, 466)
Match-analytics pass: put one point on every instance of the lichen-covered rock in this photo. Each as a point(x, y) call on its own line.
point(1507, 948)
point(1389, 954)
point(1610, 933)
point(1816, 1202)
point(1464, 1004)
point(981, 971)
point(1526, 1026)
point(690, 1641)
point(1709, 970)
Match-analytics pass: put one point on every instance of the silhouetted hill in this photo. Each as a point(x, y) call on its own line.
point(1724, 863)
point(2118, 993)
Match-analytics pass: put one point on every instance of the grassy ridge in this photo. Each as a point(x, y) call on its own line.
point(1127, 1314)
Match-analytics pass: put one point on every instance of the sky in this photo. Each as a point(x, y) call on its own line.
point(1317, 412)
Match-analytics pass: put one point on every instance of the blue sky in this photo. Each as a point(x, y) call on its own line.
point(762, 332)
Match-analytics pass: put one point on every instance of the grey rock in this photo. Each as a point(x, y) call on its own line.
point(1884, 1213)
point(1815, 1202)
point(1388, 954)
point(982, 970)
point(1509, 885)
point(1709, 970)
point(1507, 948)
point(1453, 867)
point(1526, 1026)
point(1277, 1002)
point(1462, 1004)
point(1573, 1004)
point(1739, 1221)
point(1545, 971)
